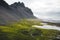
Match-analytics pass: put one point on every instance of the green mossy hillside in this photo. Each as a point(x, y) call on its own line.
point(23, 30)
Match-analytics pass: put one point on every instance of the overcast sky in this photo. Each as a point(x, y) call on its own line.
point(42, 8)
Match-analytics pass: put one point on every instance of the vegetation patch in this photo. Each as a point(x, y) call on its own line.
point(23, 30)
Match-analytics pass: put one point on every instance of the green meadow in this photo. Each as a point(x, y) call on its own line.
point(23, 30)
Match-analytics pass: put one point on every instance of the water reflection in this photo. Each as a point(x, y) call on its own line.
point(45, 26)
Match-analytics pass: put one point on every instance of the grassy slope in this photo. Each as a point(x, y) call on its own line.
point(23, 30)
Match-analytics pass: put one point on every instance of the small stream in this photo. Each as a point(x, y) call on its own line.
point(46, 26)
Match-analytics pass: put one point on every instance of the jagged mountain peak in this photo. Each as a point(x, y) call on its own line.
point(18, 11)
point(18, 4)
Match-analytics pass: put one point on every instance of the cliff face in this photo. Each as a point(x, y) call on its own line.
point(4, 4)
point(21, 10)
point(14, 12)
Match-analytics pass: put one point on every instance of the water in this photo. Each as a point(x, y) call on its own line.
point(45, 26)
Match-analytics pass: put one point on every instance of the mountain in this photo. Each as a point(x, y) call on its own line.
point(14, 12)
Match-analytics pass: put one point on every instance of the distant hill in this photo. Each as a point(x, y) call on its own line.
point(14, 12)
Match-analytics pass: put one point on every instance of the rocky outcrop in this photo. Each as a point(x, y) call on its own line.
point(21, 10)
point(4, 4)
point(14, 12)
